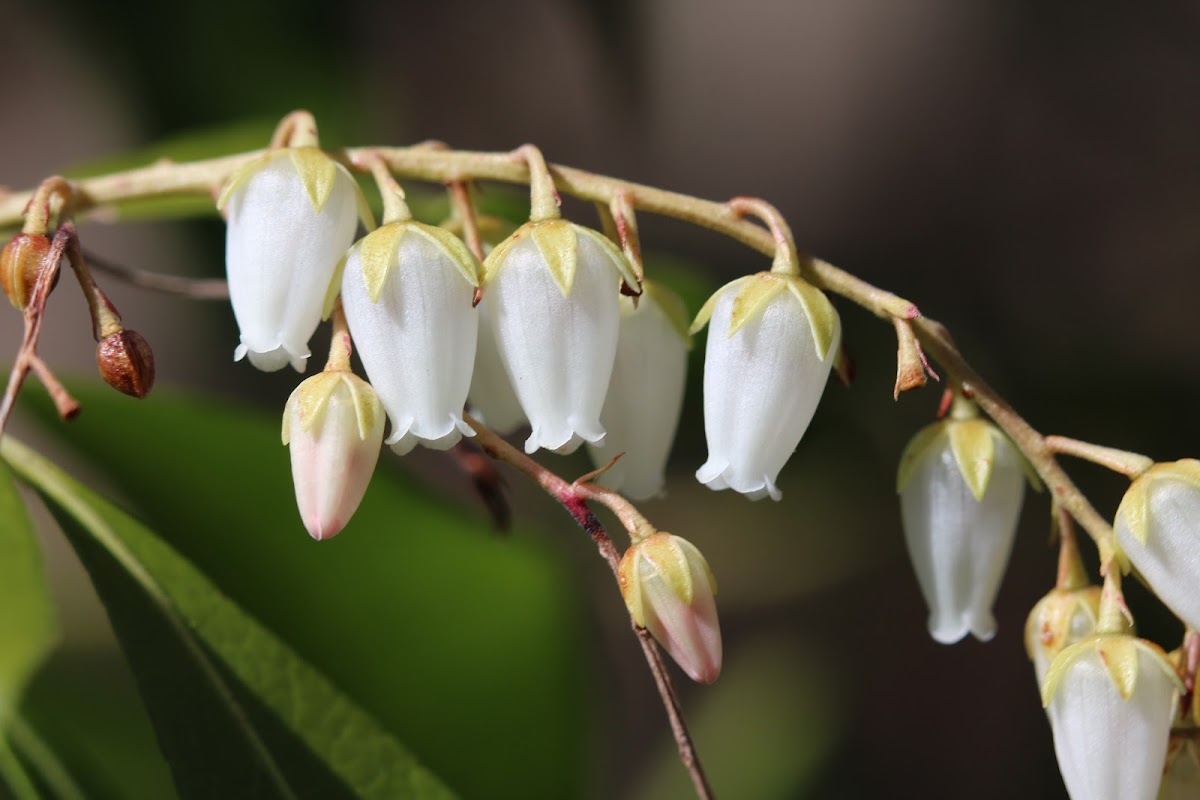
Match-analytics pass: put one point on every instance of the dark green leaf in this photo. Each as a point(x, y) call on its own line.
point(28, 630)
point(457, 641)
point(172, 621)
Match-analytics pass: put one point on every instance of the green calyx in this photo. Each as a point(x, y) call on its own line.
point(972, 440)
point(318, 173)
point(1120, 655)
point(756, 292)
point(666, 557)
point(310, 398)
point(1135, 505)
point(377, 251)
point(557, 242)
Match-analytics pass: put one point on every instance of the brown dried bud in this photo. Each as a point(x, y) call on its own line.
point(20, 264)
point(126, 363)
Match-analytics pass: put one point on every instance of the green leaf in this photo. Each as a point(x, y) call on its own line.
point(209, 672)
point(28, 630)
point(456, 640)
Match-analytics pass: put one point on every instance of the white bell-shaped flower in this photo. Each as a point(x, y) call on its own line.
point(291, 216)
point(1158, 530)
point(645, 394)
point(333, 426)
point(491, 394)
point(669, 590)
point(554, 288)
point(407, 290)
point(961, 486)
point(771, 343)
point(1111, 700)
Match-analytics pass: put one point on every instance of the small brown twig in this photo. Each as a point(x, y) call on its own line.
point(27, 359)
point(573, 497)
point(191, 288)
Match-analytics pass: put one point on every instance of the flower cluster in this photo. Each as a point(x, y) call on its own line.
point(554, 328)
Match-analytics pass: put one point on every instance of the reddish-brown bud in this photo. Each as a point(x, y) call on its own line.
point(126, 363)
point(20, 264)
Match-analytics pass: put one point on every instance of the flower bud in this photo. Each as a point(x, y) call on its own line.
point(126, 363)
point(407, 291)
point(669, 590)
point(20, 264)
point(645, 394)
point(771, 344)
point(553, 286)
point(1059, 620)
point(1158, 531)
point(961, 486)
point(291, 217)
point(333, 426)
point(1111, 700)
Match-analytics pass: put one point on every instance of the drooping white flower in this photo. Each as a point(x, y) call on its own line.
point(291, 216)
point(1158, 530)
point(645, 394)
point(407, 290)
point(491, 394)
point(771, 345)
point(1111, 700)
point(333, 426)
point(669, 590)
point(961, 486)
point(554, 288)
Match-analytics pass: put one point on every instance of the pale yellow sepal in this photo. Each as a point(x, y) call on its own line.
point(673, 559)
point(239, 176)
point(755, 292)
point(1135, 505)
point(317, 172)
point(557, 241)
point(974, 451)
point(919, 447)
point(378, 253)
point(672, 306)
point(312, 395)
point(1119, 654)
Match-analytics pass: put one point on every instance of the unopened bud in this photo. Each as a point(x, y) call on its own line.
point(669, 590)
point(20, 264)
point(126, 363)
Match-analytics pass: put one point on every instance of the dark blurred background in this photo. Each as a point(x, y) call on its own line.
point(1027, 173)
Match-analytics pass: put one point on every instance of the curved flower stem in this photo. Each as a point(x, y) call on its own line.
point(787, 260)
point(422, 162)
point(1131, 465)
point(395, 207)
point(543, 197)
point(297, 129)
point(573, 498)
point(340, 345)
point(191, 288)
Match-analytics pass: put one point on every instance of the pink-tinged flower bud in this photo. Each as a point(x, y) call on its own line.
point(1158, 530)
point(126, 363)
point(961, 487)
point(20, 264)
point(407, 291)
point(645, 394)
point(771, 344)
point(669, 590)
point(1111, 700)
point(553, 289)
point(333, 426)
point(1059, 620)
point(292, 214)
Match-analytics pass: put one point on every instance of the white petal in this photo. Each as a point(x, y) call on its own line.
point(417, 343)
point(280, 256)
point(1109, 748)
point(331, 465)
point(1170, 558)
point(959, 545)
point(491, 393)
point(558, 351)
point(645, 395)
point(761, 389)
